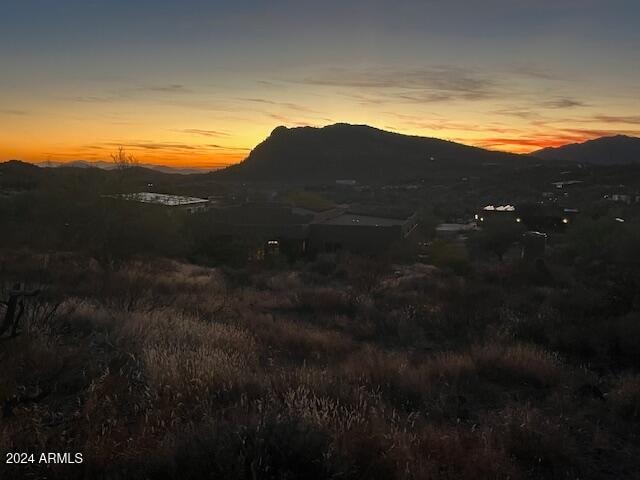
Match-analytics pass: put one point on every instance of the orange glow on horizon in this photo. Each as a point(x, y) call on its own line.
point(197, 156)
point(178, 137)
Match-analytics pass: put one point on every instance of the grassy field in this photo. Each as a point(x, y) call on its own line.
point(339, 368)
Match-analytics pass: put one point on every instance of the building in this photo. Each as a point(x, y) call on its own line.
point(534, 245)
point(187, 204)
point(296, 231)
point(627, 198)
point(365, 233)
point(456, 232)
point(346, 182)
point(549, 217)
point(492, 214)
point(566, 183)
point(279, 228)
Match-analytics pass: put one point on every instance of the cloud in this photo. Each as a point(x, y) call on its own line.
point(162, 146)
point(537, 142)
point(561, 103)
point(414, 85)
point(223, 147)
point(589, 133)
point(287, 105)
point(628, 119)
point(439, 124)
point(150, 145)
point(173, 146)
point(14, 112)
point(128, 93)
point(97, 98)
point(204, 133)
point(171, 88)
point(519, 112)
point(534, 72)
point(528, 110)
point(552, 138)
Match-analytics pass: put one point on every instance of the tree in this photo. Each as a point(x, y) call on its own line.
point(122, 159)
point(496, 239)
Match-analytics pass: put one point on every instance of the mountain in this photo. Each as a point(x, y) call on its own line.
point(16, 175)
point(358, 152)
point(615, 150)
point(111, 166)
point(17, 167)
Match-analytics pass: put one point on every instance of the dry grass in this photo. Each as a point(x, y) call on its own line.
point(166, 370)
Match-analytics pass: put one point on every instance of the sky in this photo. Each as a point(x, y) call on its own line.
point(199, 83)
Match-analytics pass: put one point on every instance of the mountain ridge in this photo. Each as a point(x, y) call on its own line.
point(105, 165)
point(608, 150)
point(359, 152)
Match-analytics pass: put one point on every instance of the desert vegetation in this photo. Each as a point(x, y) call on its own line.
point(342, 367)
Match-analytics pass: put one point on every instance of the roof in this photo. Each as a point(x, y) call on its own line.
point(455, 227)
point(363, 220)
point(502, 208)
point(260, 214)
point(534, 234)
point(567, 182)
point(163, 199)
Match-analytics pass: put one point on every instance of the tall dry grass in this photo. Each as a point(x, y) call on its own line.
point(166, 370)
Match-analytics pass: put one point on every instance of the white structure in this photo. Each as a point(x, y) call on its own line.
point(190, 204)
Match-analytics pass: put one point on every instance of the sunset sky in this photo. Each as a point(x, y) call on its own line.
point(199, 83)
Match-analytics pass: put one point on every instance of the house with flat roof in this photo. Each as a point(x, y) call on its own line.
point(297, 231)
point(356, 232)
point(188, 204)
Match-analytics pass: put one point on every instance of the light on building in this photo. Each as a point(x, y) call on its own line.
point(477, 216)
point(565, 220)
point(518, 220)
point(482, 219)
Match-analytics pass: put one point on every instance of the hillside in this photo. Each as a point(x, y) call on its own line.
point(104, 165)
point(18, 175)
point(360, 152)
point(345, 369)
point(615, 150)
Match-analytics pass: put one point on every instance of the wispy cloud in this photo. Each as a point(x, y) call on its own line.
point(288, 105)
point(443, 124)
point(141, 91)
point(160, 145)
point(224, 147)
point(172, 146)
point(628, 119)
point(534, 72)
point(552, 138)
point(14, 112)
point(204, 133)
point(528, 143)
point(170, 88)
point(519, 112)
point(563, 103)
point(418, 85)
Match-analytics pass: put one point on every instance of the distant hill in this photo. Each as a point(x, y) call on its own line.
point(615, 150)
point(111, 166)
point(18, 175)
point(358, 152)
